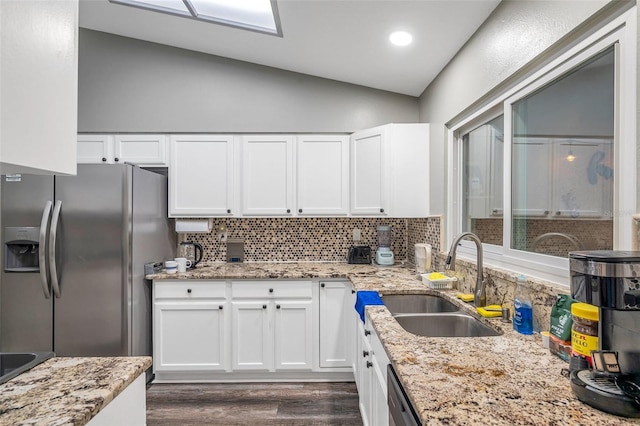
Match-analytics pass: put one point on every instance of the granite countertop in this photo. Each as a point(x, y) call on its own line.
point(507, 379)
point(67, 391)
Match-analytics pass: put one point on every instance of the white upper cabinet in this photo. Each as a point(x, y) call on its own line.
point(201, 175)
point(39, 80)
point(390, 171)
point(368, 173)
point(143, 150)
point(322, 175)
point(147, 150)
point(267, 175)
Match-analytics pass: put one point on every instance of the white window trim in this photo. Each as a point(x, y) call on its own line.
point(621, 30)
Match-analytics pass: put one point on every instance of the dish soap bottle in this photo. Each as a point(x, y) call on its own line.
point(523, 315)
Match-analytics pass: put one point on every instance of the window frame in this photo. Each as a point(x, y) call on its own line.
point(620, 33)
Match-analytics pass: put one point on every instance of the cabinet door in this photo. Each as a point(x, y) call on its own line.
point(190, 336)
point(368, 174)
point(267, 175)
point(293, 334)
point(531, 177)
point(95, 149)
point(335, 317)
point(201, 175)
point(379, 404)
point(364, 375)
point(141, 149)
point(322, 175)
point(251, 336)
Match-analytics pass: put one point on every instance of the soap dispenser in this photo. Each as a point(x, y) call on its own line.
point(523, 309)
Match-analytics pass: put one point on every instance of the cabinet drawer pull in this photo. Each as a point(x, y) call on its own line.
point(116, 159)
point(189, 290)
point(270, 290)
point(264, 306)
point(367, 332)
point(369, 364)
point(381, 210)
point(288, 210)
point(365, 354)
point(220, 307)
point(104, 159)
point(277, 306)
point(228, 210)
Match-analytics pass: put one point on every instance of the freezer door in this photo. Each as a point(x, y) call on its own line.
point(26, 315)
point(91, 315)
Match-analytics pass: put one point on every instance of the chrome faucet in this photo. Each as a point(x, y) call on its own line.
point(480, 294)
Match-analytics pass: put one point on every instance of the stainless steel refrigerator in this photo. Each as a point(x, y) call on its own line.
point(74, 249)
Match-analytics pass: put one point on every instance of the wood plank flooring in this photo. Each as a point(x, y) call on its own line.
point(230, 404)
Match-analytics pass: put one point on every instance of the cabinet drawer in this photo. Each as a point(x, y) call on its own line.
point(189, 290)
point(262, 289)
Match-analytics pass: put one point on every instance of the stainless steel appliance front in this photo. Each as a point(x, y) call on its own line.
point(88, 296)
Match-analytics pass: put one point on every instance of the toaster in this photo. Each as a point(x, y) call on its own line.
point(359, 255)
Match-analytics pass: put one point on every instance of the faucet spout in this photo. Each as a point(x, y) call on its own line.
point(480, 294)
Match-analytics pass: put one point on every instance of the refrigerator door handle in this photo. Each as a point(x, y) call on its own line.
point(42, 255)
point(55, 221)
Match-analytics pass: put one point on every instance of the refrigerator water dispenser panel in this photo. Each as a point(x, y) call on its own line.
point(22, 249)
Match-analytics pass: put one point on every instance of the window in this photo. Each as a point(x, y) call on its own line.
point(536, 173)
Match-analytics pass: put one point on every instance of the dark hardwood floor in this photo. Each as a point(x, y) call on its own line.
point(253, 404)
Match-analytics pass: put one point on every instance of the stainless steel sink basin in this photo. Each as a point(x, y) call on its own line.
point(14, 363)
point(417, 304)
point(445, 325)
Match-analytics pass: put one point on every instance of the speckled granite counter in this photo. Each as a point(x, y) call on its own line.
point(508, 379)
point(67, 391)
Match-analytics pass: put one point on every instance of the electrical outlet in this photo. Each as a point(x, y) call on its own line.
point(357, 234)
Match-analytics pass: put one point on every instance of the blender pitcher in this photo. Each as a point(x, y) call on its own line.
point(384, 255)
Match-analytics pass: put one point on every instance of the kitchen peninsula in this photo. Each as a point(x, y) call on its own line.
point(507, 379)
point(77, 391)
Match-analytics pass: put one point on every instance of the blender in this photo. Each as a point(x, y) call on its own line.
point(384, 255)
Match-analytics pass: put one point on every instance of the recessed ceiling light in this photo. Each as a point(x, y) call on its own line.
point(401, 38)
point(254, 15)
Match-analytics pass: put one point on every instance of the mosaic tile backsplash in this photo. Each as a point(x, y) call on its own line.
point(299, 239)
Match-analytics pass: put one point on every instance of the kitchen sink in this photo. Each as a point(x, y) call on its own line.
point(417, 304)
point(14, 363)
point(454, 324)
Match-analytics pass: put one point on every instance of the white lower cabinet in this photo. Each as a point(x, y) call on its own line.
point(371, 376)
point(336, 311)
point(253, 330)
point(190, 326)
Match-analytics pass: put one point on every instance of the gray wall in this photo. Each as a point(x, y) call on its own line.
point(127, 85)
point(513, 35)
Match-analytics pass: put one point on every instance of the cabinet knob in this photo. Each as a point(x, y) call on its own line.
point(228, 210)
point(322, 285)
point(299, 210)
point(264, 306)
point(288, 210)
point(353, 291)
point(189, 290)
point(381, 210)
point(369, 364)
point(220, 307)
point(558, 213)
point(367, 332)
point(277, 306)
point(104, 159)
point(270, 290)
point(546, 212)
point(116, 159)
point(365, 354)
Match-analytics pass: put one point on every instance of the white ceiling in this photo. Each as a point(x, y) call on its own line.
point(344, 40)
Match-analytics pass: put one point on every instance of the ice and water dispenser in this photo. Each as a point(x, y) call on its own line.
point(21, 249)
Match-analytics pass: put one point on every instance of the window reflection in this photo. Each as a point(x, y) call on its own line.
point(562, 162)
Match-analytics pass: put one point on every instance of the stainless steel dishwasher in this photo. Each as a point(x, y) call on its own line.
point(401, 413)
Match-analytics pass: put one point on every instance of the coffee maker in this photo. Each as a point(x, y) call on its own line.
point(610, 280)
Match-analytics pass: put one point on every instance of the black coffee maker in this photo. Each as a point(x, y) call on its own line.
point(610, 280)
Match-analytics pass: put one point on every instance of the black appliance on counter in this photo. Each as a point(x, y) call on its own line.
point(359, 255)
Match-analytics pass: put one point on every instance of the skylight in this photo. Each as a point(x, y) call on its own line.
point(254, 15)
